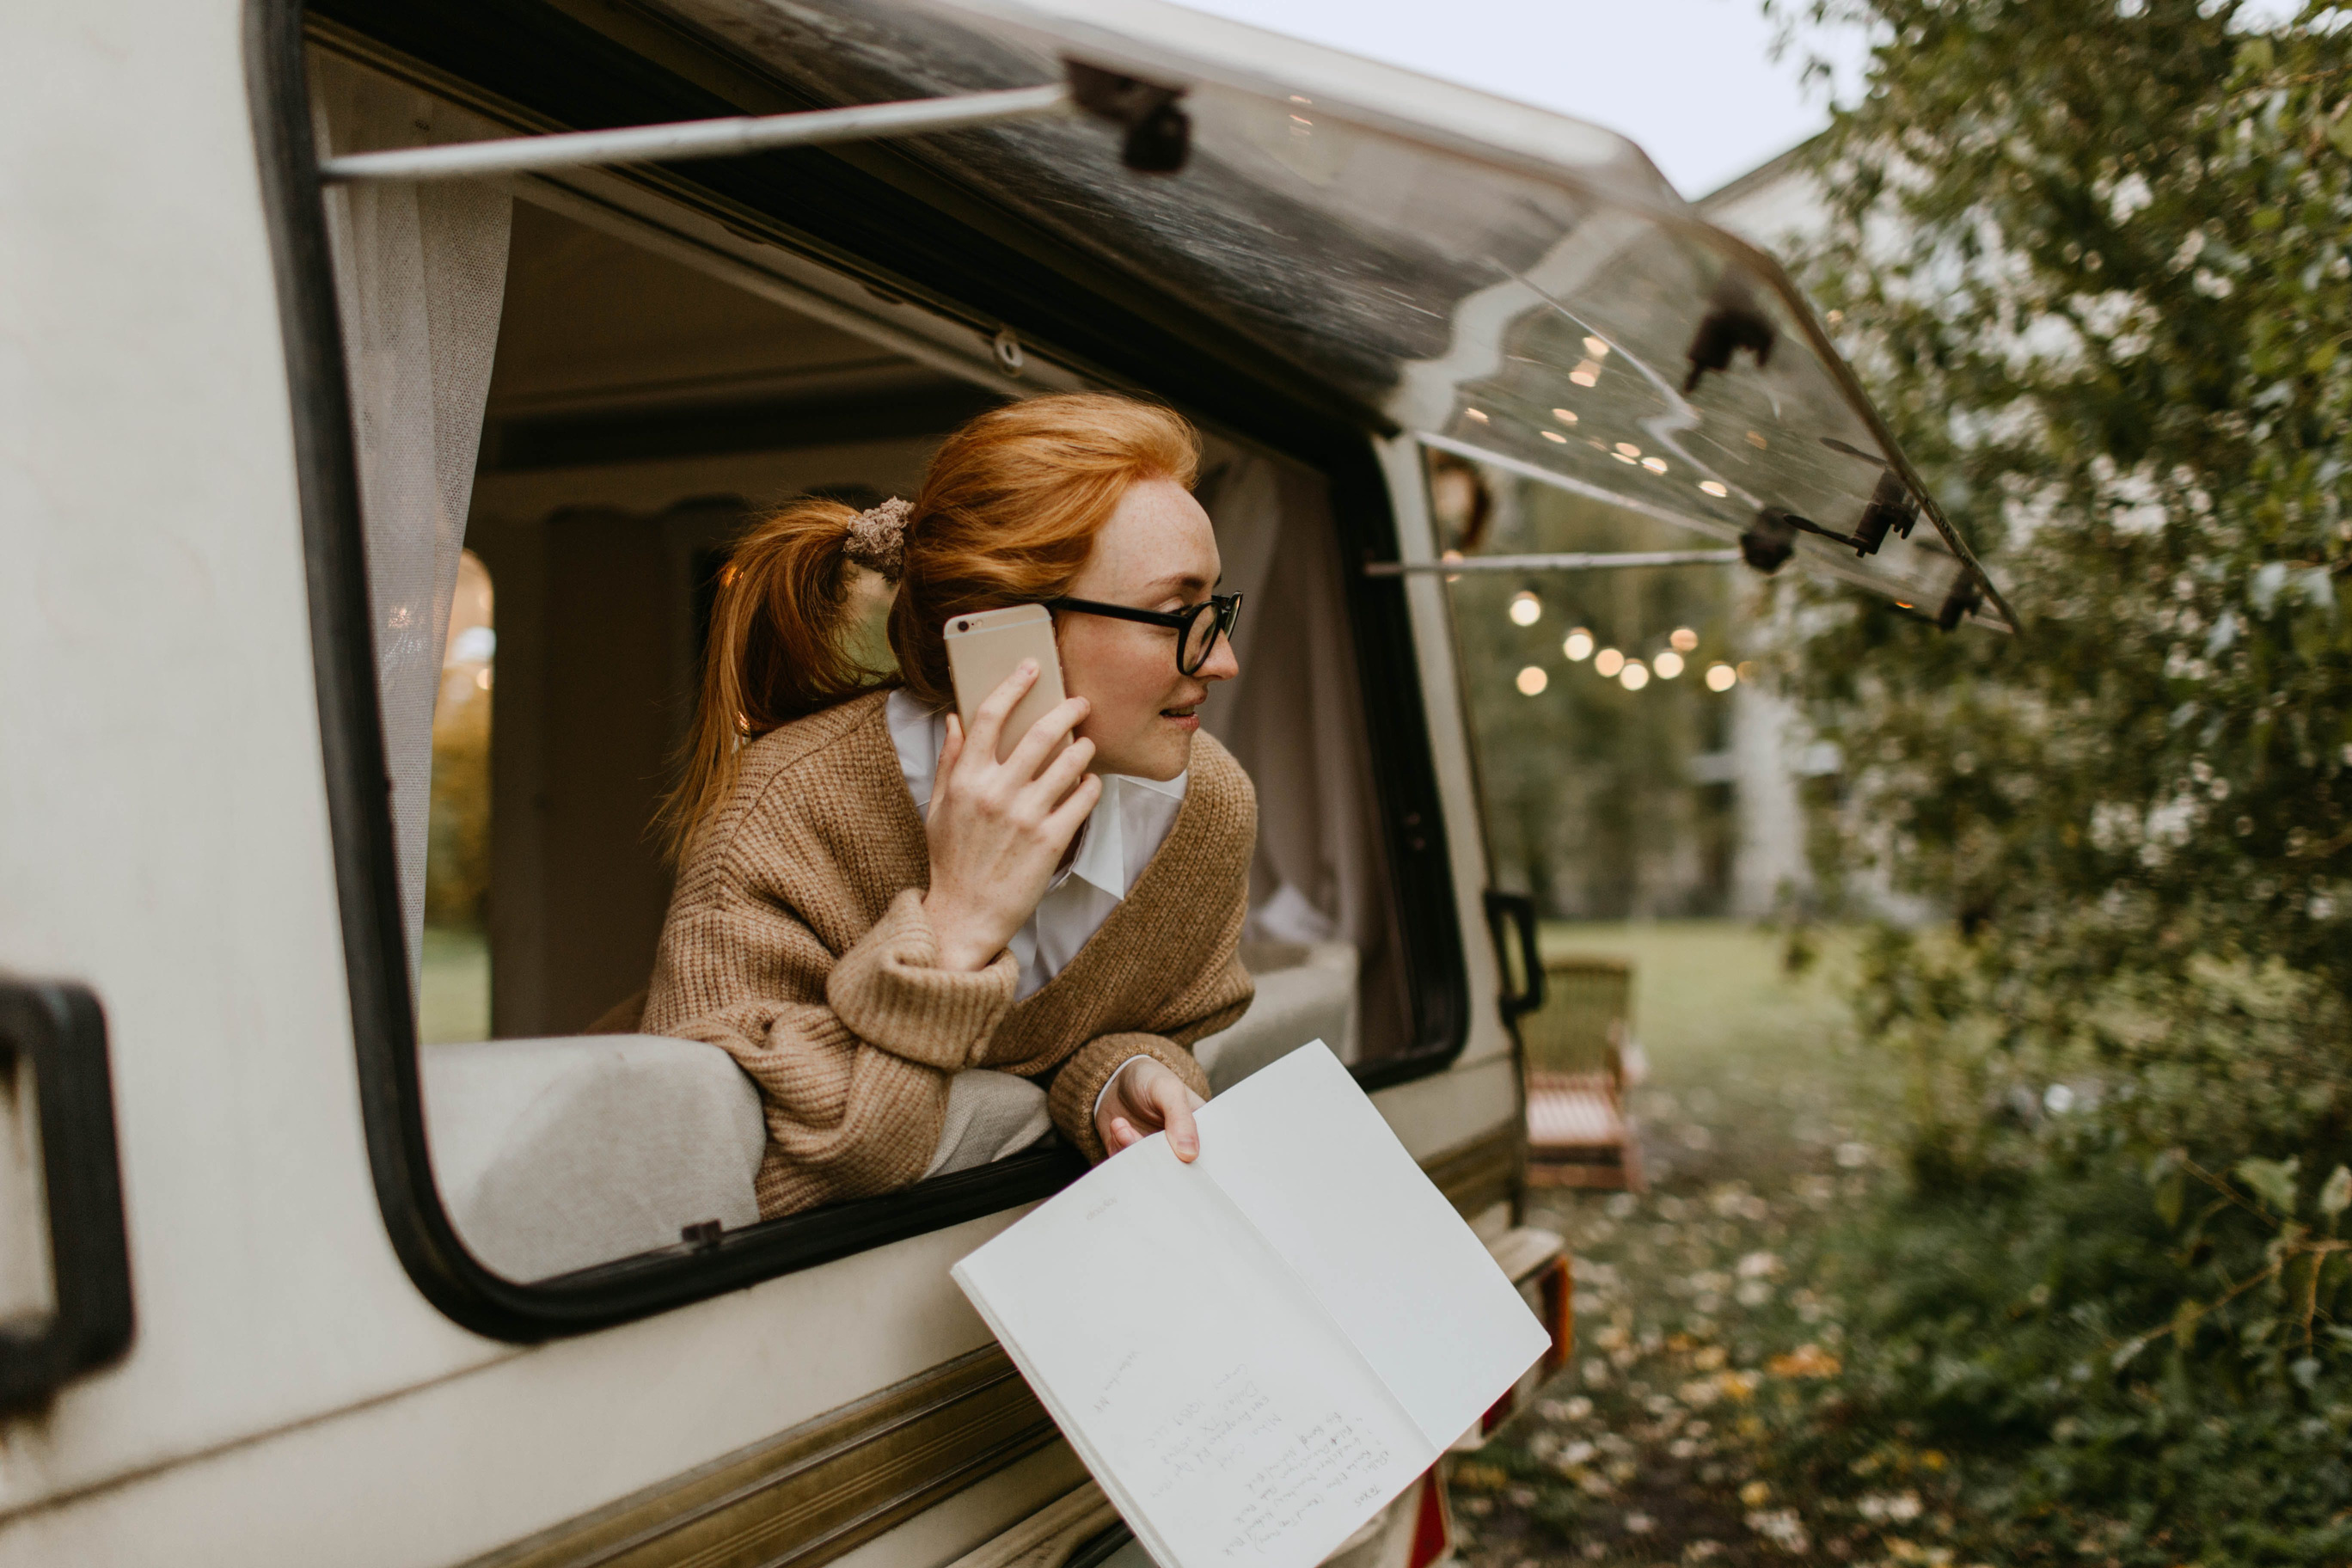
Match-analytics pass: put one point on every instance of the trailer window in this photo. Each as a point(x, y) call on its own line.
point(453, 987)
point(552, 399)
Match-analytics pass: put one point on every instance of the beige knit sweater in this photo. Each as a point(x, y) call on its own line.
point(796, 941)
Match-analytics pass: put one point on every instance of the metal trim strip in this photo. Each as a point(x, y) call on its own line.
point(811, 1493)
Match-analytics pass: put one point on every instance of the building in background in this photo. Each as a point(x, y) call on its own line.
point(1769, 752)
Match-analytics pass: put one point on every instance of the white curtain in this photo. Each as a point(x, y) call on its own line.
point(420, 276)
point(1294, 719)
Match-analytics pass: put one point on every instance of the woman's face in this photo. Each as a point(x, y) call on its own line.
point(1157, 552)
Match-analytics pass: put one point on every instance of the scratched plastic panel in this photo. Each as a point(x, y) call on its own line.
point(1572, 320)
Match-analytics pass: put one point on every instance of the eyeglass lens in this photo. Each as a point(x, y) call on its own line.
point(1209, 621)
point(1199, 639)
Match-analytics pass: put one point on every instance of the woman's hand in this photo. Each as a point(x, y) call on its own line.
point(1147, 1098)
point(997, 830)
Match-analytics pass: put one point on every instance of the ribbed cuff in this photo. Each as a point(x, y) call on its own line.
point(1081, 1080)
point(889, 992)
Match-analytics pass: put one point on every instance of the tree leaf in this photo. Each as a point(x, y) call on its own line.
point(2272, 1181)
point(2336, 1195)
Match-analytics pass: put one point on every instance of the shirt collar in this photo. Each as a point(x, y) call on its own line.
point(917, 732)
point(1101, 858)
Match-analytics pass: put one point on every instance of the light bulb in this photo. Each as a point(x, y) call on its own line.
point(1608, 661)
point(1579, 646)
point(1684, 638)
point(1532, 680)
point(1720, 677)
point(1526, 608)
point(1635, 675)
point(1668, 664)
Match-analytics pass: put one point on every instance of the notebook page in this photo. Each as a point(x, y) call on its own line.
point(1301, 1151)
point(1229, 1420)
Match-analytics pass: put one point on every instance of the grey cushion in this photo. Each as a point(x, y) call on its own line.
point(554, 1154)
point(1306, 991)
point(990, 1115)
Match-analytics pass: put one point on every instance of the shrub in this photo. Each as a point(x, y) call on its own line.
point(2096, 262)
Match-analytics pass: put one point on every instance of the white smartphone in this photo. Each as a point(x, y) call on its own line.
point(985, 648)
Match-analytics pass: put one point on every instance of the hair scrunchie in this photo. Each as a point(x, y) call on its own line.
point(878, 537)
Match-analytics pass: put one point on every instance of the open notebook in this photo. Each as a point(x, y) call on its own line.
point(1254, 1353)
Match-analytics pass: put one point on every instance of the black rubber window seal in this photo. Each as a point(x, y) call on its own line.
point(491, 34)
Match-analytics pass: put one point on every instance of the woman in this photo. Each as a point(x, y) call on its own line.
point(869, 904)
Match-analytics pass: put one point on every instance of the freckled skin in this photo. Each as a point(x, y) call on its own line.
point(1157, 551)
point(996, 831)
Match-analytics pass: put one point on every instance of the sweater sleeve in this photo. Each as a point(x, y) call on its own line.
point(1214, 1000)
point(889, 992)
point(851, 1052)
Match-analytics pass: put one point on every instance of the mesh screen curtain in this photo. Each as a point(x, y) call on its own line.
point(420, 276)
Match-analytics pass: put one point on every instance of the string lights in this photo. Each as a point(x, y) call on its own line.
point(1632, 672)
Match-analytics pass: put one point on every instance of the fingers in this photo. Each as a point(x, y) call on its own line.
point(1045, 735)
point(988, 719)
point(949, 749)
point(1123, 1134)
point(1175, 1105)
point(1067, 818)
point(1062, 774)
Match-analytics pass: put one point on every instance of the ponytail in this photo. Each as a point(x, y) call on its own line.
point(779, 649)
point(1007, 515)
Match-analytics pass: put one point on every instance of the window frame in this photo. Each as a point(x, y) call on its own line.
point(981, 266)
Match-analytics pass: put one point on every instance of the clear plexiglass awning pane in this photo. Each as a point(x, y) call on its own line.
point(1502, 283)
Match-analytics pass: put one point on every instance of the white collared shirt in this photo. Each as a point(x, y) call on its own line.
point(1119, 838)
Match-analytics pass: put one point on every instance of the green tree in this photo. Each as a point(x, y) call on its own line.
point(2095, 260)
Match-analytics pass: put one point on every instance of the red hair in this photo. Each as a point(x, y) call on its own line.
point(1007, 515)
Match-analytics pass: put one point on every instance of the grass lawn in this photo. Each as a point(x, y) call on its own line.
point(453, 996)
point(1755, 1124)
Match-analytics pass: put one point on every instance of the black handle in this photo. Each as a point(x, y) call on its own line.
point(1520, 910)
point(57, 1029)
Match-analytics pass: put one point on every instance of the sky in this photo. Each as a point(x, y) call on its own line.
point(1693, 81)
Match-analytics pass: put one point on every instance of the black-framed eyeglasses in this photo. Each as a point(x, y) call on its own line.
point(1197, 627)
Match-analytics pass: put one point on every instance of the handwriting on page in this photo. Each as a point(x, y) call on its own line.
point(1284, 1470)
